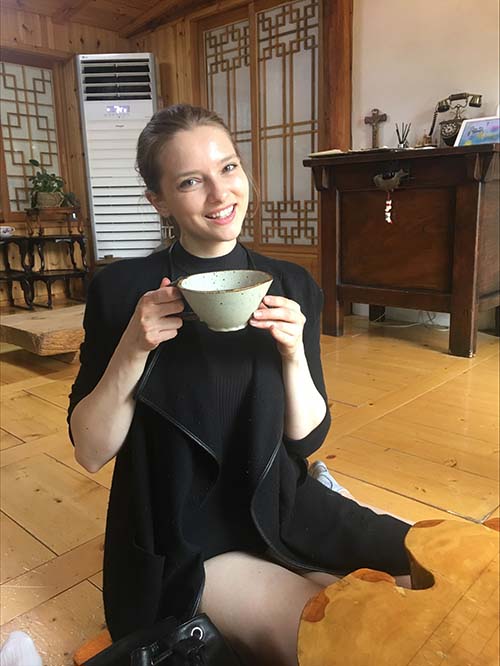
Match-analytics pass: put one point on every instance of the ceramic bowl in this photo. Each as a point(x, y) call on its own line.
point(6, 232)
point(225, 300)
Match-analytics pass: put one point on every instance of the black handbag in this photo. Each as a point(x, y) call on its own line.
point(197, 642)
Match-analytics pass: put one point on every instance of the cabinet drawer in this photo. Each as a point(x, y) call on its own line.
point(423, 173)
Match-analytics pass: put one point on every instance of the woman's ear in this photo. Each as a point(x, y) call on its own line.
point(157, 202)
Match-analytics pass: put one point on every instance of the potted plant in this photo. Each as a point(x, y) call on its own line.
point(46, 188)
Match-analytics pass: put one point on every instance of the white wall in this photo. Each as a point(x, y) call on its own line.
point(407, 55)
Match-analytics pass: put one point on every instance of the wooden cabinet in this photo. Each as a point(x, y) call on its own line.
point(440, 253)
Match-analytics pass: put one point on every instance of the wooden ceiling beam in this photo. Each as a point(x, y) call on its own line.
point(162, 12)
point(24, 54)
point(69, 10)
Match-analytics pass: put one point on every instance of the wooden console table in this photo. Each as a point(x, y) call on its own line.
point(441, 251)
point(28, 276)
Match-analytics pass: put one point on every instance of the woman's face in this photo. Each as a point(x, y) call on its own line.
point(204, 187)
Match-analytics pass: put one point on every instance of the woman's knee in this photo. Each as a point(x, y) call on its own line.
point(257, 605)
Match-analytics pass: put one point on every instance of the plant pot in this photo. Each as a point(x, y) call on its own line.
point(48, 199)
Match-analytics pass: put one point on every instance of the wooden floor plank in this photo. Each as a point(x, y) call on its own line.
point(58, 446)
point(434, 444)
point(33, 447)
point(60, 626)
point(386, 501)
point(355, 387)
point(15, 388)
point(55, 392)
point(392, 401)
point(27, 417)
point(442, 487)
point(20, 552)
point(31, 589)
point(96, 580)
point(7, 440)
point(451, 420)
point(338, 408)
point(19, 364)
point(59, 506)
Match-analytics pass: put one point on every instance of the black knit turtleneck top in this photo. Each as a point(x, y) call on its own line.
point(223, 523)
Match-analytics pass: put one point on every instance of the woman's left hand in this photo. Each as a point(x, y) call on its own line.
point(285, 321)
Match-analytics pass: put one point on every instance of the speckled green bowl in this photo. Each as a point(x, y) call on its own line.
point(225, 300)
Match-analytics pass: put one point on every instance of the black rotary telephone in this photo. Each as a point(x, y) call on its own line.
point(450, 128)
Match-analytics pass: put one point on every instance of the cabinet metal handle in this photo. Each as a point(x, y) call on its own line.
point(390, 180)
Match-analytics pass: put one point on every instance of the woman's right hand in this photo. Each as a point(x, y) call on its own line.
point(154, 319)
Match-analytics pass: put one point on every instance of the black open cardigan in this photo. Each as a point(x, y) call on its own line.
point(170, 459)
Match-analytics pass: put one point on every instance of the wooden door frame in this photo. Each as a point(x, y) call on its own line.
point(55, 61)
point(336, 39)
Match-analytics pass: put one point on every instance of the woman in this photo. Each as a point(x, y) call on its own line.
point(211, 507)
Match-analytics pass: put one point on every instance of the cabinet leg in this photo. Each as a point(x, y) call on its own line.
point(49, 294)
point(333, 320)
point(463, 333)
point(376, 312)
point(28, 293)
point(10, 295)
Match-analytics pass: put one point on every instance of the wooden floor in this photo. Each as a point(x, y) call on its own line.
point(415, 432)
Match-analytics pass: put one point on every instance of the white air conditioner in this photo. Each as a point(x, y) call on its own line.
point(117, 97)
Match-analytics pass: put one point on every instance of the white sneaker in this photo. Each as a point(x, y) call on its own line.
point(19, 650)
point(319, 471)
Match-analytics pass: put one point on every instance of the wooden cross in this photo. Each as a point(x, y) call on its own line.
point(374, 120)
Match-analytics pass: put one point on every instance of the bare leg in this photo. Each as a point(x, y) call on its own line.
point(257, 605)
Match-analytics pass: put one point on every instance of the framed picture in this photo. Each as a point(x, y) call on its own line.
point(475, 131)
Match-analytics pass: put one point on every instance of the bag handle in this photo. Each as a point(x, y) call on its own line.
point(189, 650)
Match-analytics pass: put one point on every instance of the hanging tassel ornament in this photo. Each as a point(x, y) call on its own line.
point(388, 208)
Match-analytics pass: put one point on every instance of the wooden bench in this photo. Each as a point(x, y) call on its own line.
point(45, 333)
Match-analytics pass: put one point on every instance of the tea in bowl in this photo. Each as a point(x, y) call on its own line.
point(225, 300)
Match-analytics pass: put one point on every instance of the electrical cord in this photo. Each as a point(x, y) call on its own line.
point(420, 322)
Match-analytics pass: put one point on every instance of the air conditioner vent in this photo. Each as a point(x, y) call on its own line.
point(116, 79)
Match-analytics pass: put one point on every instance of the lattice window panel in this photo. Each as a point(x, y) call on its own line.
point(27, 115)
point(227, 61)
point(288, 123)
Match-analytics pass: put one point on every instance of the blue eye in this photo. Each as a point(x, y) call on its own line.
point(189, 182)
point(230, 167)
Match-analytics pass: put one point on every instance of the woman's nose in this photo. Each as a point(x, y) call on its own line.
point(217, 189)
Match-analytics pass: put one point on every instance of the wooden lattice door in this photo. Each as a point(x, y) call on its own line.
point(259, 71)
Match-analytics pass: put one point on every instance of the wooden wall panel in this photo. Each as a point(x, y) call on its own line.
point(172, 47)
point(170, 44)
point(27, 33)
point(28, 29)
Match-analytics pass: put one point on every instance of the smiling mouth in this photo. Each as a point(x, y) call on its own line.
point(222, 214)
